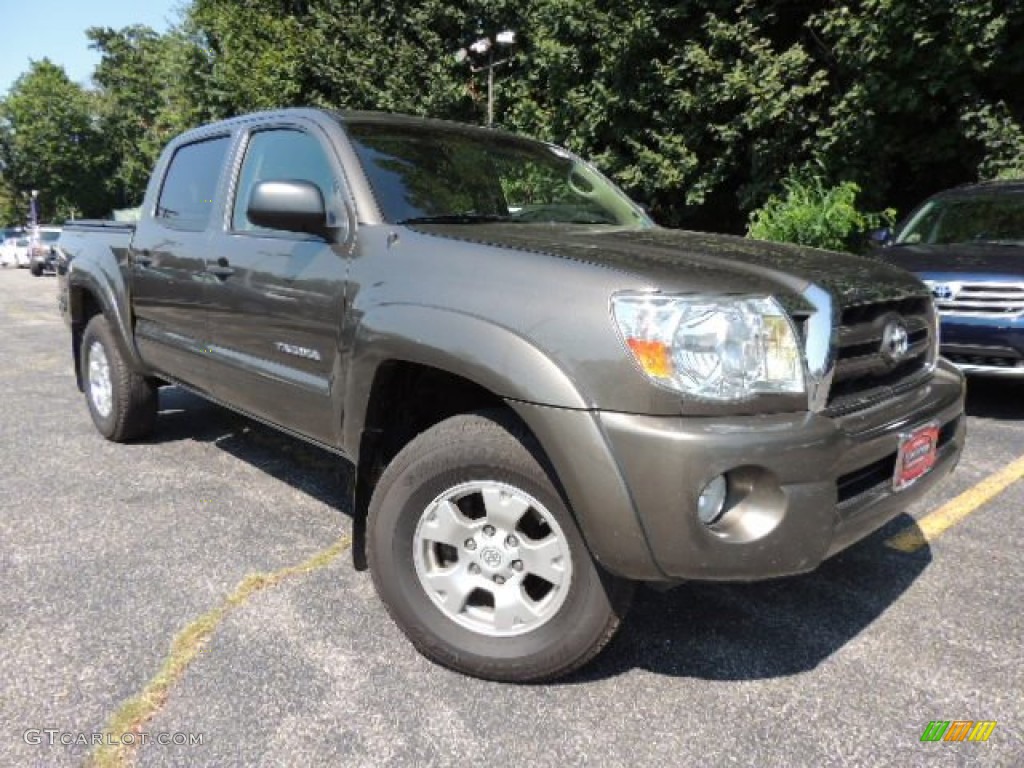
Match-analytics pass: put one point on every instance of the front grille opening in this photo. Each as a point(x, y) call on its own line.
point(990, 299)
point(986, 361)
point(851, 387)
point(880, 473)
point(870, 348)
point(864, 374)
point(866, 313)
point(990, 357)
point(948, 431)
point(861, 480)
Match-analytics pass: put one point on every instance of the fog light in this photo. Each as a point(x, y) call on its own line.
point(711, 502)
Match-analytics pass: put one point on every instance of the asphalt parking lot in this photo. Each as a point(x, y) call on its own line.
point(109, 552)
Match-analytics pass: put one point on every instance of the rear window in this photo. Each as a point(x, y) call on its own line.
point(186, 198)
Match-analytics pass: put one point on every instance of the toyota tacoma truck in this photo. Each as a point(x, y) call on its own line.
point(546, 397)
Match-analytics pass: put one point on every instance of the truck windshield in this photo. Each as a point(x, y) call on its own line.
point(430, 174)
point(973, 219)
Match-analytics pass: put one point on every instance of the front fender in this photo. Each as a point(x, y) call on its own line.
point(537, 389)
point(489, 355)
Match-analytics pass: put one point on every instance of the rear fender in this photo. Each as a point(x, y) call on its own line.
point(99, 282)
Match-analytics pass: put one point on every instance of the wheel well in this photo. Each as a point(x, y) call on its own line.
point(84, 307)
point(407, 399)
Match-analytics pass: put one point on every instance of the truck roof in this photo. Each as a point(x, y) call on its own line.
point(985, 188)
point(343, 117)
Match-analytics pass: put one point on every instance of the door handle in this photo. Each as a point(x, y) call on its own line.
point(143, 258)
point(221, 269)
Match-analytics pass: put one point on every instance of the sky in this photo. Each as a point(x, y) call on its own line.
point(55, 29)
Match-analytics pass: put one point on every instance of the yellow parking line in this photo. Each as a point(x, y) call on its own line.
point(932, 526)
point(115, 751)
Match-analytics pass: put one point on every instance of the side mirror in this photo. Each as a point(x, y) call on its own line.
point(293, 206)
point(880, 238)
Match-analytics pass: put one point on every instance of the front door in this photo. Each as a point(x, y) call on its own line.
point(277, 306)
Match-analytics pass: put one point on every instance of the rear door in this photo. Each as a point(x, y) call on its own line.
point(168, 263)
point(276, 308)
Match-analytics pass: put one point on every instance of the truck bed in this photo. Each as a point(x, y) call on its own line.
point(92, 234)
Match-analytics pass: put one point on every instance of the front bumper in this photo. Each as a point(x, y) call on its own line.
point(804, 486)
point(984, 345)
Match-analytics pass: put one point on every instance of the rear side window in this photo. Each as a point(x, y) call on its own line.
point(186, 199)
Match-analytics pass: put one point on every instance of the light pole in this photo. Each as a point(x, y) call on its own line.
point(33, 210)
point(482, 46)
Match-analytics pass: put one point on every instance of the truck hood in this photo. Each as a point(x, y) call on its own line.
point(960, 258)
point(680, 260)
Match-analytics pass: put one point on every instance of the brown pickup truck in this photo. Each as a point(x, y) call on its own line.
point(546, 397)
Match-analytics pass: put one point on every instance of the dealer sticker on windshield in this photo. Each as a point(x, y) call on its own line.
point(917, 453)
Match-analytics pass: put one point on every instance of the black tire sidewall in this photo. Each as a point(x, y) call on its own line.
point(99, 330)
point(559, 643)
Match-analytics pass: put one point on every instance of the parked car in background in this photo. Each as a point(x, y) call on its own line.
point(43, 251)
point(14, 251)
point(967, 245)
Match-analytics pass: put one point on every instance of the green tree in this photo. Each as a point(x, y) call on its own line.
point(698, 108)
point(49, 142)
point(130, 97)
point(923, 95)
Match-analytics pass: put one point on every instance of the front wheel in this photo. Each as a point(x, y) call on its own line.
point(480, 562)
point(122, 404)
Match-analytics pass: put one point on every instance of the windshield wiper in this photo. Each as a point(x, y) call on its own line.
point(455, 218)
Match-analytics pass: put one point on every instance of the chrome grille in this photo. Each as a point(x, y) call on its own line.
point(866, 368)
point(978, 299)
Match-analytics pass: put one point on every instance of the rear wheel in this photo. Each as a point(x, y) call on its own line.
point(479, 560)
point(122, 404)
point(36, 269)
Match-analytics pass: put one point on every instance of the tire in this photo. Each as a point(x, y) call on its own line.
point(122, 404)
point(36, 269)
point(479, 561)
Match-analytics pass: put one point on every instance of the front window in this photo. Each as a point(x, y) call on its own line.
point(976, 218)
point(423, 174)
point(274, 155)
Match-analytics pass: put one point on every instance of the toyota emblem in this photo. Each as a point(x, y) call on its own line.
point(895, 342)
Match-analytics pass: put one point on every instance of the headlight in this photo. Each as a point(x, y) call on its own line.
point(712, 347)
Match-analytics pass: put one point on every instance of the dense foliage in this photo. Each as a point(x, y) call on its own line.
point(49, 142)
point(808, 213)
point(701, 109)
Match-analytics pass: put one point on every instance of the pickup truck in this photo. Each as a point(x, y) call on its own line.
point(546, 397)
